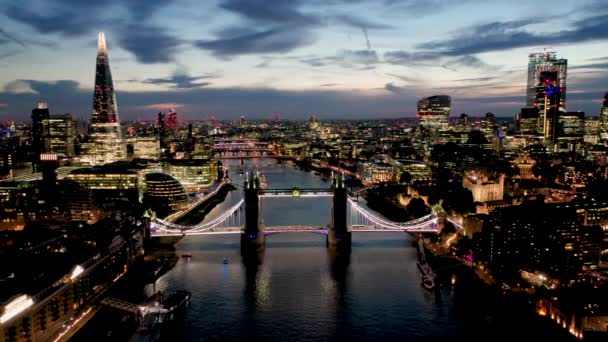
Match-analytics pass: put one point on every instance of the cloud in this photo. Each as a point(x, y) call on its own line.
point(76, 18)
point(505, 35)
point(162, 106)
point(590, 66)
point(149, 44)
point(404, 57)
point(228, 103)
point(478, 79)
point(181, 80)
point(407, 79)
point(358, 22)
point(276, 40)
point(391, 87)
point(8, 37)
point(278, 12)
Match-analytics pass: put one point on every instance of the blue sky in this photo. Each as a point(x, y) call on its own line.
point(330, 58)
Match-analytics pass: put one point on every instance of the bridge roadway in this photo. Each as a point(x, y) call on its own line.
point(299, 229)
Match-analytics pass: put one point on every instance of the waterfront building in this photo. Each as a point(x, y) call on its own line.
point(146, 148)
point(164, 194)
point(106, 143)
point(194, 174)
point(485, 186)
point(546, 90)
point(57, 282)
point(108, 183)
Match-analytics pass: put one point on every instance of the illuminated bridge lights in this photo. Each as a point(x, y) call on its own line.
point(226, 222)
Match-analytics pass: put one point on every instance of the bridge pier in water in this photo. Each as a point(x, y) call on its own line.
point(252, 237)
point(338, 235)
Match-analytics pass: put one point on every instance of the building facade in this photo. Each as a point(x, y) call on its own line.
point(485, 187)
point(40, 141)
point(146, 148)
point(106, 143)
point(194, 174)
point(546, 90)
point(434, 112)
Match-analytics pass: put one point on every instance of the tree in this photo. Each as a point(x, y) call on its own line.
point(405, 178)
point(417, 208)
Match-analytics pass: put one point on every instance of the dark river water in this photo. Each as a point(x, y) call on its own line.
point(299, 291)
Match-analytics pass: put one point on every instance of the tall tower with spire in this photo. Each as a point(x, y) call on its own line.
point(105, 143)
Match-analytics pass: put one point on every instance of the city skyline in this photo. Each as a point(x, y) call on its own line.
point(230, 59)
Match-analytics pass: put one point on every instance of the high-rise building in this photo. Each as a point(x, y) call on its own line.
point(546, 90)
point(172, 119)
point(604, 119)
point(40, 131)
point(527, 120)
point(146, 148)
point(106, 144)
point(434, 113)
point(464, 120)
point(61, 135)
point(571, 126)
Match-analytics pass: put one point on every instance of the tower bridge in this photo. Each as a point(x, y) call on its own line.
point(244, 217)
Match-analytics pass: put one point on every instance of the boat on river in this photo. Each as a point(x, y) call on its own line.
point(428, 276)
point(159, 314)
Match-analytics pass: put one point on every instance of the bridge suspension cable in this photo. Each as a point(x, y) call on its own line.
point(171, 227)
point(421, 223)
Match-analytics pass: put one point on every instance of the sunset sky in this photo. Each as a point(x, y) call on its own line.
point(331, 58)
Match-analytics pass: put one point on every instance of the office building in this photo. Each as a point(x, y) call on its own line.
point(194, 174)
point(108, 183)
point(571, 126)
point(164, 194)
point(546, 90)
point(603, 126)
point(434, 112)
point(61, 135)
point(106, 144)
point(146, 148)
point(527, 120)
point(40, 141)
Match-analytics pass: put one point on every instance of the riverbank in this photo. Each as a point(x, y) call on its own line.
point(115, 325)
point(508, 311)
point(307, 165)
point(198, 214)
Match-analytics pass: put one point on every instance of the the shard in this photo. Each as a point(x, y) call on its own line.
point(105, 143)
point(104, 100)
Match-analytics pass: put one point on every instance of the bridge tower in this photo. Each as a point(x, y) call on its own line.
point(252, 236)
point(338, 234)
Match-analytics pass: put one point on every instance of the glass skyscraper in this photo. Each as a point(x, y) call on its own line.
point(604, 119)
point(546, 89)
point(106, 144)
point(434, 112)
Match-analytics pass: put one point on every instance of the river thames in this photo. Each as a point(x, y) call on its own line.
point(298, 291)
